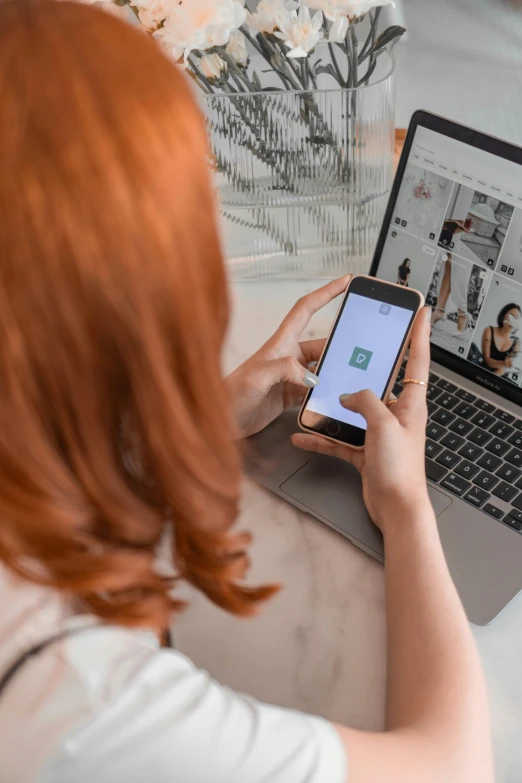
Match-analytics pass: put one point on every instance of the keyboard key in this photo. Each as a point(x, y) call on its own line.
point(447, 401)
point(514, 457)
point(512, 522)
point(397, 389)
point(517, 502)
point(485, 406)
point(504, 416)
point(490, 462)
point(515, 513)
point(448, 459)
point(477, 496)
point(435, 431)
point(467, 469)
point(452, 441)
point(516, 440)
point(508, 473)
point(505, 491)
point(455, 484)
point(498, 447)
point(433, 378)
point(471, 452)
point(433, 393)
point(465, 410)
point(401, 374)
point(484, 420)
point(493, 511)
point(485, 480)
point(433, 471)
point(501, 430)
point(518, 424)
point(461, 427)
point(447, 385)
point(467, 396)
point(479, 437)
point(432, 449)
point(442, 416)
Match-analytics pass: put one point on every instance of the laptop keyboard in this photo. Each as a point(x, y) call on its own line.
point(473, 450)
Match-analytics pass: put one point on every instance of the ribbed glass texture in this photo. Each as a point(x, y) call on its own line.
point(303, 177)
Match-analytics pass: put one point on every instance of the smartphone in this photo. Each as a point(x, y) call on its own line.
point(365, 349)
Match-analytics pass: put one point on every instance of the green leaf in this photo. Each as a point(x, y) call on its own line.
point(256, 82)
point(327, 69)
point(388, 36)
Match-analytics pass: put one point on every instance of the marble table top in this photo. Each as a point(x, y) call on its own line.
point(319, 646)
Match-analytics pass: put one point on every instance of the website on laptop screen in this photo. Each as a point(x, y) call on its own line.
point(456, 236)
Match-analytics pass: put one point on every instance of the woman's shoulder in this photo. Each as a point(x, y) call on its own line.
point(73, 684)
point(108, 703)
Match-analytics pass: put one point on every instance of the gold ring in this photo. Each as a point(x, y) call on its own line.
point(392, 402)
point(414, 380)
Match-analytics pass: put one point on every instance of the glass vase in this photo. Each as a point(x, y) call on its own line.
point(303, 177)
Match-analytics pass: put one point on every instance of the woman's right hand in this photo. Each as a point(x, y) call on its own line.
point(392, 462)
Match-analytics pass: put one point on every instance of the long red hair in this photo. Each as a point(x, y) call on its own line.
point(115, 426)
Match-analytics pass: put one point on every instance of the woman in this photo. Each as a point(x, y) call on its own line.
point(500, 344)
point(450, 229)
point(455, 284)
point(404, 272)
point(118, 440)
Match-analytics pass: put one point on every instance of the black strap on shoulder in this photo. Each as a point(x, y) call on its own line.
point(37, 649)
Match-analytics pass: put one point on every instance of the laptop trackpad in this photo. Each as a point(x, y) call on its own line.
point(331, 490)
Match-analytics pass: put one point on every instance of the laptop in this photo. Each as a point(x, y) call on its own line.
point(455, 213)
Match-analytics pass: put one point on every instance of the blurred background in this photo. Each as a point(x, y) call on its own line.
point(462, 59)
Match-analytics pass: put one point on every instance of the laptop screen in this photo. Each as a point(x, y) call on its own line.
point(456, 235)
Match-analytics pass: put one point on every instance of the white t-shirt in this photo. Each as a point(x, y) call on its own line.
point(107, 704)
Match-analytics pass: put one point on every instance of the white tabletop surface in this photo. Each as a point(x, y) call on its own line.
point(319, 646)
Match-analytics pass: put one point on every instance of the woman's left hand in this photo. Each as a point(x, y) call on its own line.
point(277, 376)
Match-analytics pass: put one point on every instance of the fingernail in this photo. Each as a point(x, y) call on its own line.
point(310, 379)
point(344, 397)
point(427, 313)
point(311, 365)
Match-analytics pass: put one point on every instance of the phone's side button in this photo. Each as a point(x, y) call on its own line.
point(333, 428)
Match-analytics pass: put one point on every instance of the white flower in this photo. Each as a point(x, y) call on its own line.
point(339, 29)
point(352, 9)
point(212, 67)
point(237, 48)
point(152, 13)
point(299, 31)
point(200, 24)
point(265, 19)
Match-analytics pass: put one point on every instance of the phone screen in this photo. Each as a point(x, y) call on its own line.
point(362, 353)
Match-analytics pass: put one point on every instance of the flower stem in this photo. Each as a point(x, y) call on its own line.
point(304, 73)
point(368, 44)
point(336, 66)
point(311, 73)
point(355, 63)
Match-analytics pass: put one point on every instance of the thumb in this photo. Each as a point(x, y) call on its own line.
point(368, 405)
point(289, 369)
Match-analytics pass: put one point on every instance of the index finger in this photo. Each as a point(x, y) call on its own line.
point(297, 319)
point(418, 366)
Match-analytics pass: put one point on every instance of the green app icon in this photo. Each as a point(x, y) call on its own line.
point(360, 358)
